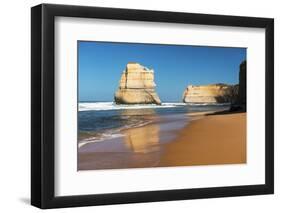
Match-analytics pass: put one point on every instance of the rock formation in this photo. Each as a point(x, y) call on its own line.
point(242, 84)
point(212, 93)
point(136, 86)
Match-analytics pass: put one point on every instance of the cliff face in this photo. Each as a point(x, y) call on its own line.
point(213, 93)
point(136, 86)
point(242, 84)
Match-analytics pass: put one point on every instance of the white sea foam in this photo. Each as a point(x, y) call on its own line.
point(207, 104)
point(100, 139)
point(88, 106)
point(98, 106)
point(113, 133)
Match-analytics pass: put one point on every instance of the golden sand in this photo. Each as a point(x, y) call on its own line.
point(214, 139)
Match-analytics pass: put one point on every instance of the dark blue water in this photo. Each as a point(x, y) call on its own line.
point(99, 118)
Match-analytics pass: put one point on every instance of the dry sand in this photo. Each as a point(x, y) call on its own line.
point(214, 139)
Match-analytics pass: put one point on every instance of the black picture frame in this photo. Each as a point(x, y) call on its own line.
point(43, 111)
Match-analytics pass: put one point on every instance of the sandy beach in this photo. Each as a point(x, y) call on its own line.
point(214, 139)
point(204, 140)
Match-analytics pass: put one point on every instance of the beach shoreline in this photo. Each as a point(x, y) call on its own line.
point(207, 138)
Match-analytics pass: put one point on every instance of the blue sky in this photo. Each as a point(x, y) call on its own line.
point(100, 65)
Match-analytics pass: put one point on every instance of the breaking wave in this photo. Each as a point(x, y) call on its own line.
point(98, 106)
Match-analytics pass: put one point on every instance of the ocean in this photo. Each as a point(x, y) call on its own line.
point(98, 121)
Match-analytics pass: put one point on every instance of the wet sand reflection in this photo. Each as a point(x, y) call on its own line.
point(143, 139)
point(138, 148)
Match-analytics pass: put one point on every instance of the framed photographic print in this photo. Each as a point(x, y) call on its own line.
point(139, 106)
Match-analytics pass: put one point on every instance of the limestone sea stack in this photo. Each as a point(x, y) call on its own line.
point(212, 93)
point(137, 86)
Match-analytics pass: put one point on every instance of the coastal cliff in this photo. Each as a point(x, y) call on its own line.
point(136, 86)
point(212, 93)
point(242, 84)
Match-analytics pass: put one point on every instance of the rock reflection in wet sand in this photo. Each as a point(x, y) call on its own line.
point(138, 148)
point(143, 139)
